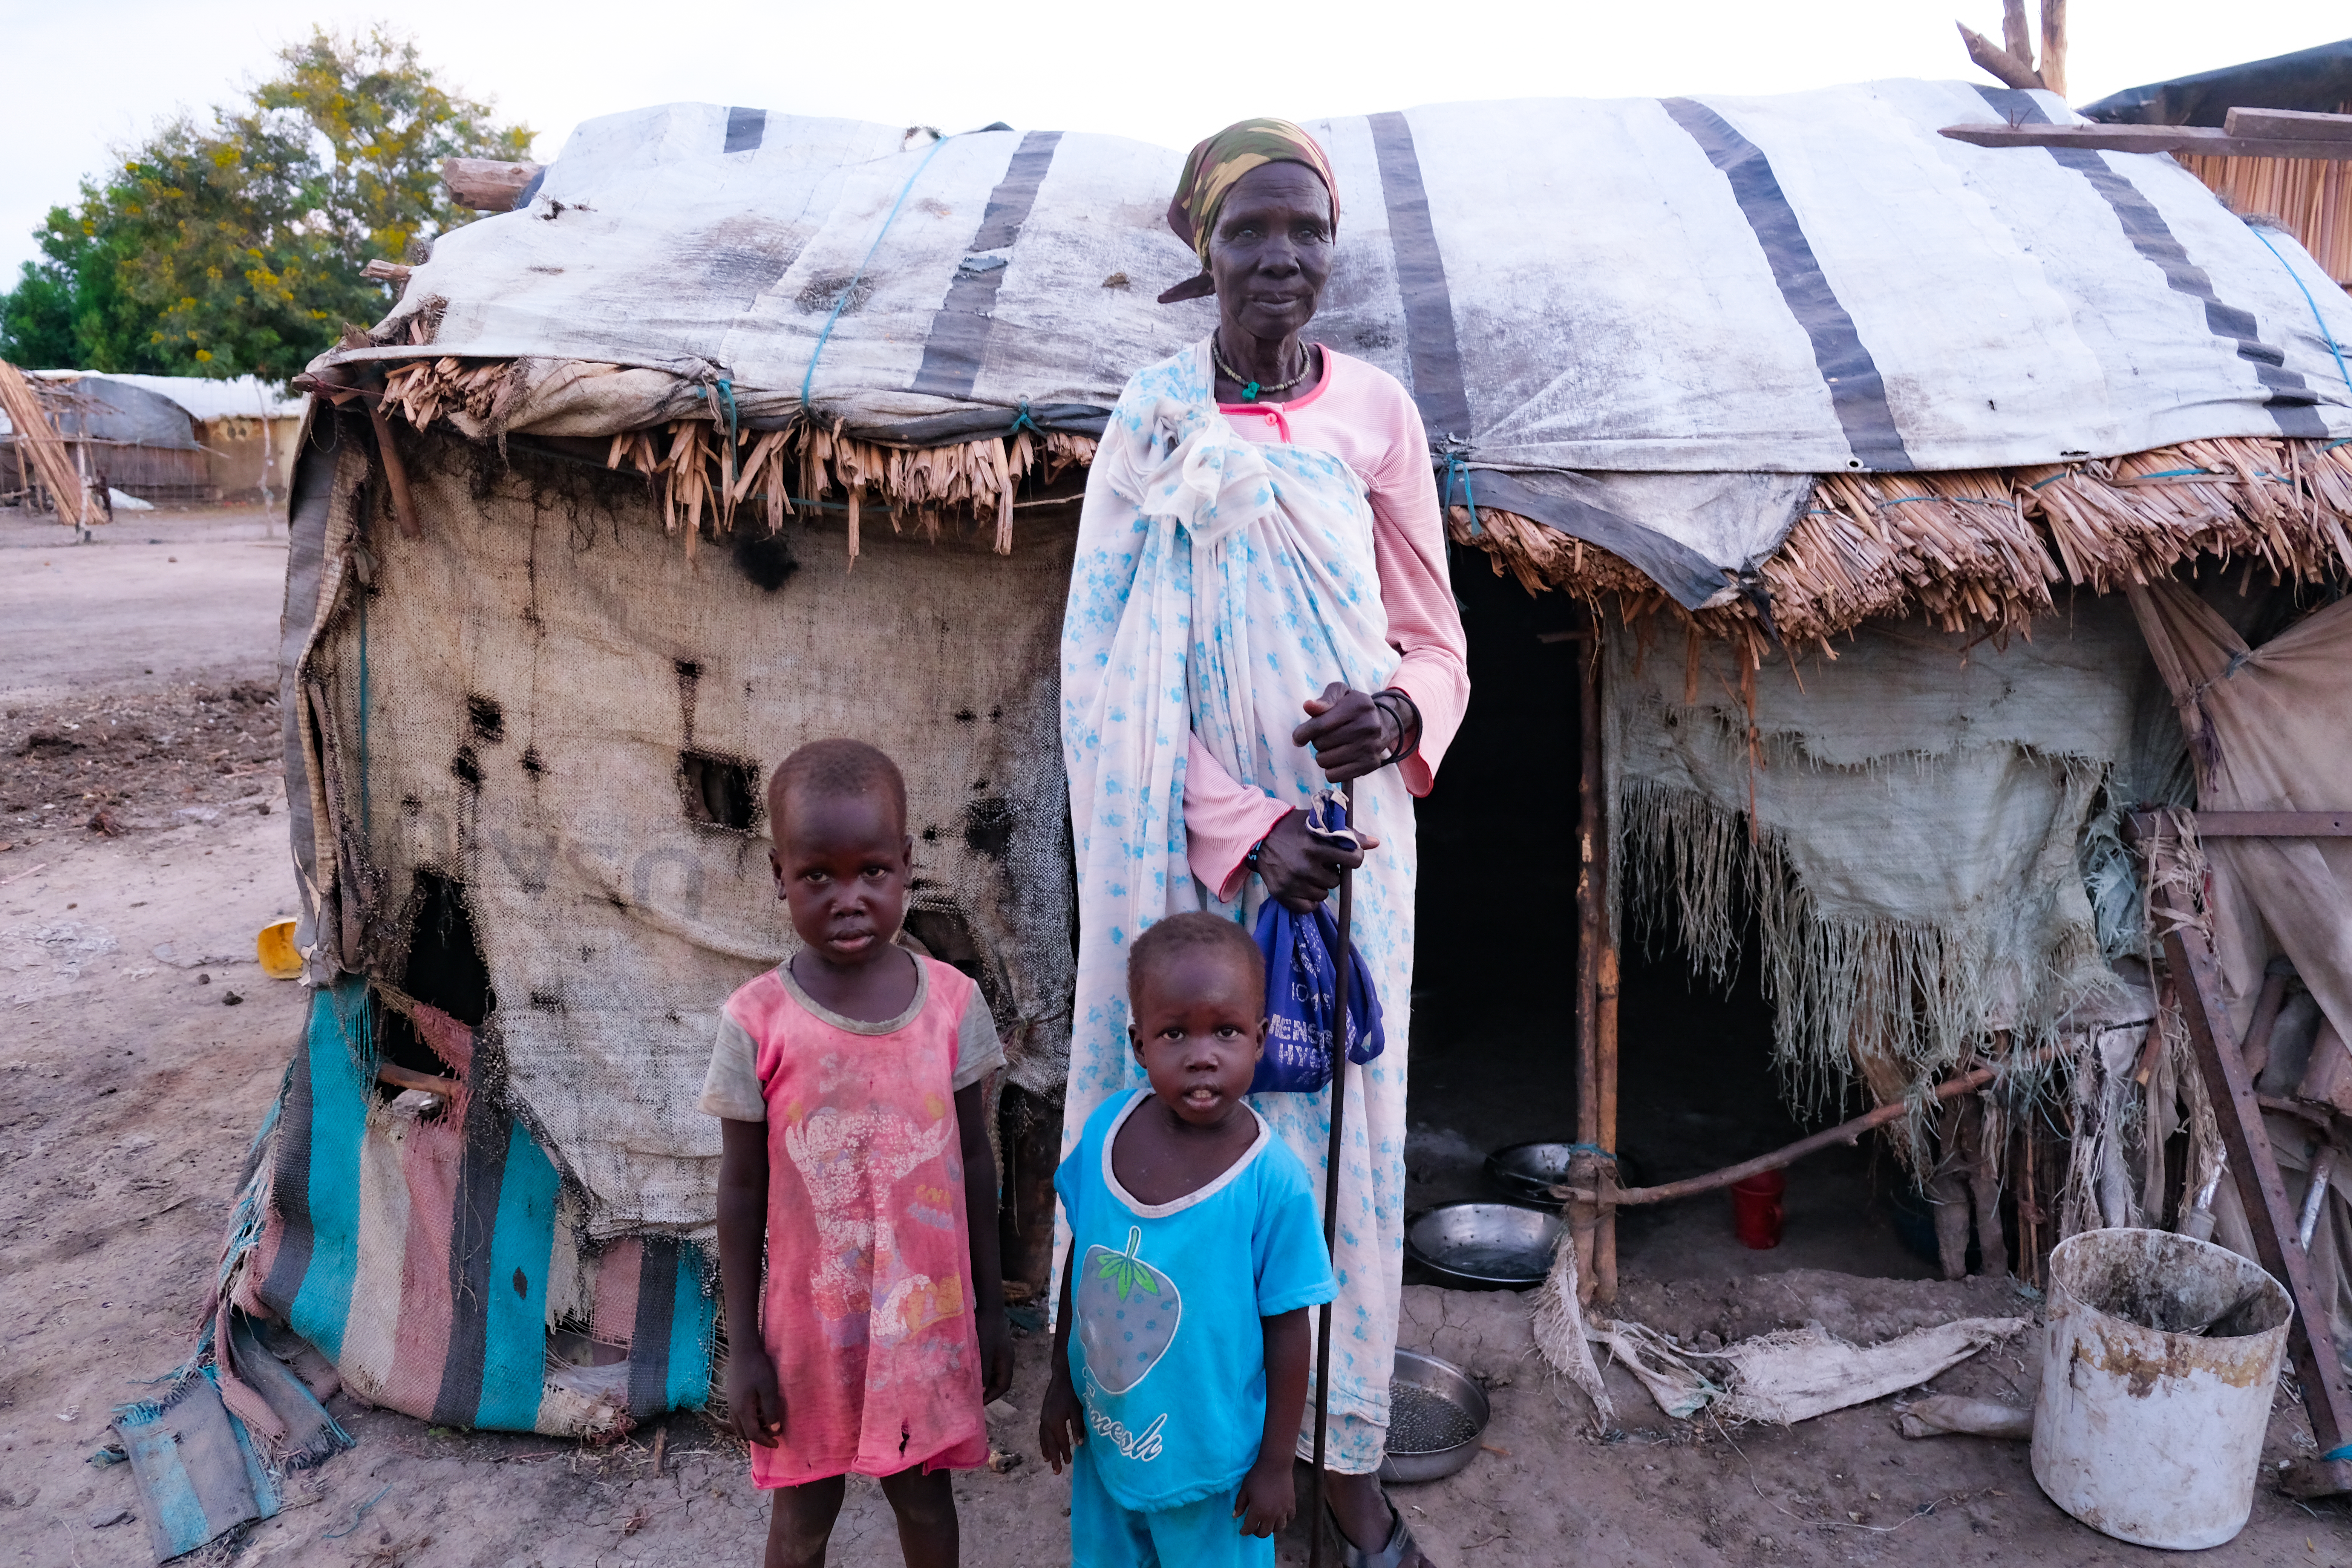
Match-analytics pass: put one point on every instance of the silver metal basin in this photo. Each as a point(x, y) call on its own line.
point(1430, 1404)
point(1528, 1172)
point(1483, 1246)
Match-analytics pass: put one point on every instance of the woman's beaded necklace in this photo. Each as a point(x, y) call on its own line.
point(1251, 390)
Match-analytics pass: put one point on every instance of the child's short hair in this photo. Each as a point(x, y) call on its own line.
point(1183, 932)
point(834, 769)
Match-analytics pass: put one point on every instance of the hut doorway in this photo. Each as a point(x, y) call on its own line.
point(1494, 996)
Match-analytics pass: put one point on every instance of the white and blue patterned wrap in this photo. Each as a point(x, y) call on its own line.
point(1219, 584)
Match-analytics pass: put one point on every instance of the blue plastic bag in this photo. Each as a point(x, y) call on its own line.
point(1300, 978)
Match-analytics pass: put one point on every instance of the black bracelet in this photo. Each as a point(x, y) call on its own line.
point(1408, 731)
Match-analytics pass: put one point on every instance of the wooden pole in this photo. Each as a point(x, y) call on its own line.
point(1604, 1012)
point(396, 473)
point(2054, 45)
point(1585, 1167)
point(2015, 37)
point(1844, 1132)
point(1999, 62)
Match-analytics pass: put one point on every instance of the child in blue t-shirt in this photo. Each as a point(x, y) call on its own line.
point(1195, 1251)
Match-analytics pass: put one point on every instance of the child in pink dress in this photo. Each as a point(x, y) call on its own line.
point(851, 1080)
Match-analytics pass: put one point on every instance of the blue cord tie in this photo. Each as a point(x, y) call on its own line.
point(727, 396)
point(851, 287)
point(2342, 1451)
point(1592, 1149)
point(1022, 421)
point(2307, 299)
point(1454, 466)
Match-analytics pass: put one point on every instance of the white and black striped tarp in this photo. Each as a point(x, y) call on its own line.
point(1570, 288)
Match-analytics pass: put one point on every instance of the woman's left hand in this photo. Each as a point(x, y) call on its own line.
point(1352, 735)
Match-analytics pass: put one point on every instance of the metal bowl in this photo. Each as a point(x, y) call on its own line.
point(1528, 1172)
point(1483, 1246)
point(1429, 1400)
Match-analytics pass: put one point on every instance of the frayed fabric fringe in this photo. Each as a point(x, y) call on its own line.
point(1898, 1005)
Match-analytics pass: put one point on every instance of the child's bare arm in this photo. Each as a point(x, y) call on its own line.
point(1062, 1421)
point(980, 1222)
point(1268, 1497)
point(755, 1405)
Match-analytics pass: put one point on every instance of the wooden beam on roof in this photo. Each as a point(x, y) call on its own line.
point(486, 184)
point(2288, 124)
point(2198, 139)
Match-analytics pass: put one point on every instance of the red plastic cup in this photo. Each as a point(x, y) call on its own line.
point(1756, 1211)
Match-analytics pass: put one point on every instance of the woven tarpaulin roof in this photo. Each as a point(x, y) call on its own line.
point(1814, 283)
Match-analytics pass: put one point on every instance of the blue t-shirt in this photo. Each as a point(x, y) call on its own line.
point(1167, 1351)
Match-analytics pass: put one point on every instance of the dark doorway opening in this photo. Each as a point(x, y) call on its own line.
point(1493, 1027)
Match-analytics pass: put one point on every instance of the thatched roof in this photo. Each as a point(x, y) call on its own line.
point(1984, 549)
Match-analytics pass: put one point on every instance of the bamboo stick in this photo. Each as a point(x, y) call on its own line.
point(37, 437)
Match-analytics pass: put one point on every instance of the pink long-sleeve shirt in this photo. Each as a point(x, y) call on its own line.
point(1361, 415)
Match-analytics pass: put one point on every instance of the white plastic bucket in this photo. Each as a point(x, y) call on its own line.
point(2147, 1433)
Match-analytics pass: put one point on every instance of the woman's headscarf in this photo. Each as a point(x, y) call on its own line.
point(1209, 175)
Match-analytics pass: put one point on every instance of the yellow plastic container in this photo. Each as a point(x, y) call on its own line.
point(274, 946)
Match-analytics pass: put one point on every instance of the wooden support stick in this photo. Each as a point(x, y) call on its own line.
point(2015, 35)
point(396, 473)
point(2052, 69)
point(403, 1078)
point(2256, 1051)
point(1584, 1167)
point(1605, 986)
point(2204, 141)
point(1844, 1132)
point(2311, 1342)
point(1990, 57)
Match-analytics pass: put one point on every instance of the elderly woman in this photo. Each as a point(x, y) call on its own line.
point(1259, 604)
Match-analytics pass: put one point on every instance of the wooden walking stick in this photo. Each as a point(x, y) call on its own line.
point(1331, 1186)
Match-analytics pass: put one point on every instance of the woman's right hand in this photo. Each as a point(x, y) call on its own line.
point(1301, 869)
point(755, 1405)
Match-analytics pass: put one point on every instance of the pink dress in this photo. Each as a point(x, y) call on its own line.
point(868, 1312)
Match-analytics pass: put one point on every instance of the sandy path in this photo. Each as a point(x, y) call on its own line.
point(129, 1089)
point(155, 596)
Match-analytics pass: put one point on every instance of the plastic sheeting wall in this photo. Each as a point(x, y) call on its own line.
point(1925, 812)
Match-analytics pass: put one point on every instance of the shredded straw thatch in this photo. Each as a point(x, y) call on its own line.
point(702, 474)
point(1982, 548)
point(1978, 549)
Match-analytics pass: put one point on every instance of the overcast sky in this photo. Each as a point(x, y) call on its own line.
point(89, 77)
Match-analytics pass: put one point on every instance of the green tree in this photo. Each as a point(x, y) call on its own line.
point(235, 246)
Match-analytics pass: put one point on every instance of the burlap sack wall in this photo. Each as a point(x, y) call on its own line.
point(539, 663)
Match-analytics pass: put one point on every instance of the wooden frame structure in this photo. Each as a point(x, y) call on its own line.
point(2238, 1109)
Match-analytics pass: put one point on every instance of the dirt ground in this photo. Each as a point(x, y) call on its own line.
point(140, 1047)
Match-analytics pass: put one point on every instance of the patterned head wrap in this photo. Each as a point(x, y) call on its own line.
point(1209, 175)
